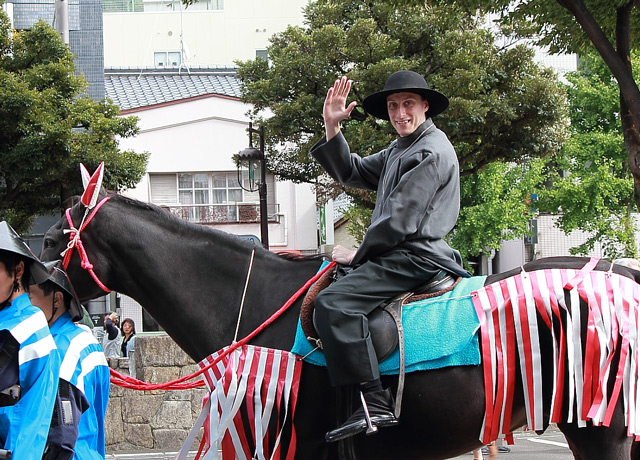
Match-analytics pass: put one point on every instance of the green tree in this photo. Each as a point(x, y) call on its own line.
point(48, 126)
point(595, 192)
point(497, 204)
point(504, 107)
point(609, 27)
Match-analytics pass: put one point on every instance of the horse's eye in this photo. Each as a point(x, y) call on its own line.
point(49, 243)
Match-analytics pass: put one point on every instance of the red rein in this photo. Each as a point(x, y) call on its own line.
point(75, 241)
point(178, 384)
point(134, 384)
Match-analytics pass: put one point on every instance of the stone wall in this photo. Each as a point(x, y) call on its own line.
point(155, 419)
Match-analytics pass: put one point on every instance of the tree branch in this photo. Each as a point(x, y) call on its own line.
point(628, 87)
point(629, 127)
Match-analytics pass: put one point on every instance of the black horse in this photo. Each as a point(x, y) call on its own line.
point(190, 278)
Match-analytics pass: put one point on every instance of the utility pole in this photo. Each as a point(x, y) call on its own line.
point(61, 19)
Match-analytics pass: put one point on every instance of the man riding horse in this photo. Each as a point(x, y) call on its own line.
point(417, 204)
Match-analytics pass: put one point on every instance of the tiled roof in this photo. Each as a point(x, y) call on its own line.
point(133, 89)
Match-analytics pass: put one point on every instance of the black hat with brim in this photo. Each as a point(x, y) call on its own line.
point(10, 241)
point(401, 82)
point(59, 277)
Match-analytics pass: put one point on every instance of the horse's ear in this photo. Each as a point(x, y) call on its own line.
point(86, 177)
point(92, 185)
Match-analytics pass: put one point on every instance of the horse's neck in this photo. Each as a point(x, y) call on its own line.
point(194, 286)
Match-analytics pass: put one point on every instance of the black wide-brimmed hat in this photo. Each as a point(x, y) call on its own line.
point(59, 277)
point(10, 241)
point(400, 82)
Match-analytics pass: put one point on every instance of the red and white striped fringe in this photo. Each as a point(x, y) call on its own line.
point(507, 313)
point(262, 379)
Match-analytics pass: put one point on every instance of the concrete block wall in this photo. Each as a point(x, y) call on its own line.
point(155, 419)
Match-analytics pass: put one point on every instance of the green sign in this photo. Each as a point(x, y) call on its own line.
point(323, 226)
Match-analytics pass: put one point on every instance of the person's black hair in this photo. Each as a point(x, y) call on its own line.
point(49, 287)
point(11, 261)
point(133, 325)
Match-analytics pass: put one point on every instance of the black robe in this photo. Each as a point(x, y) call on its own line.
point(417, 180)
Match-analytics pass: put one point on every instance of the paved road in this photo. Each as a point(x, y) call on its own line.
point(549, 446)
point(151, 455)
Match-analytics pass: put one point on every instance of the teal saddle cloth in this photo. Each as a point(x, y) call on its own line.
point(439, 332)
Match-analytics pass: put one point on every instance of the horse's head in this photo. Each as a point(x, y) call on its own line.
point(72, 240)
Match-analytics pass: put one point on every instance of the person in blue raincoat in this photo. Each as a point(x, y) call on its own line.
point(77, 427)
point(29, 362)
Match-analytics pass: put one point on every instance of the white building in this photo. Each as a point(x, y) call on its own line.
point(209, 33)
point(192, 121)
point(192, 124)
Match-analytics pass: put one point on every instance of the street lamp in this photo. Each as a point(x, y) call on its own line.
point(248, 161)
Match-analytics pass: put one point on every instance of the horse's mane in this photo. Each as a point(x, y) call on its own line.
point(165, 216)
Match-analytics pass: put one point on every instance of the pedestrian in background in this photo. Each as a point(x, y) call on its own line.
point(112, 339)
point(128, 344)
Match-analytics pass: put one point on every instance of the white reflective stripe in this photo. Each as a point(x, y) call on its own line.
point(72, 355)
point(36, 350)
point(67, 412)
point(29, 326)
point(89, 363)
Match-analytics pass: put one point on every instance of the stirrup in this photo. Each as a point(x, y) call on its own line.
point(368, 418)
point(371, 428)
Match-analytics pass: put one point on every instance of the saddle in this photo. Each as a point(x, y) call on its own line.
point(385, 327)
point(385, 322)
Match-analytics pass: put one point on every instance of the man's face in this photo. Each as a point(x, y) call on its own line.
point(6, 283)
point(406, 112)
point(40, 300)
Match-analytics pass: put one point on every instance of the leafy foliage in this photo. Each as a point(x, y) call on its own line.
point(595, 193)
point(497, 205)
point(551, 24)
point(503, 106)
point(610, 28)
point(48, 126)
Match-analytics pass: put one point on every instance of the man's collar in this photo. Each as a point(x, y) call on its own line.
point(404, 142)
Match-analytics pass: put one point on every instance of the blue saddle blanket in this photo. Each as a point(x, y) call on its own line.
point(439, 332)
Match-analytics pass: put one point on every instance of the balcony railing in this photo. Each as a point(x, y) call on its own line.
point(237, 213)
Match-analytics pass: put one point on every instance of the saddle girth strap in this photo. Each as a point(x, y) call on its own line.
point(397, 318)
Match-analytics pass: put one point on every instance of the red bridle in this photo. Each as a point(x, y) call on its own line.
point(75, 241)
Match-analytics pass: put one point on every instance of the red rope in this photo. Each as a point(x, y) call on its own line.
point(126, 381)
point(74, 240)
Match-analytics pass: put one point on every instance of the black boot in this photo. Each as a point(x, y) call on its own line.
point(380, 406)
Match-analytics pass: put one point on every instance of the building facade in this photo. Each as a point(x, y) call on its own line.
point(84, 28)
point(193, 124)
point(164, 34)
